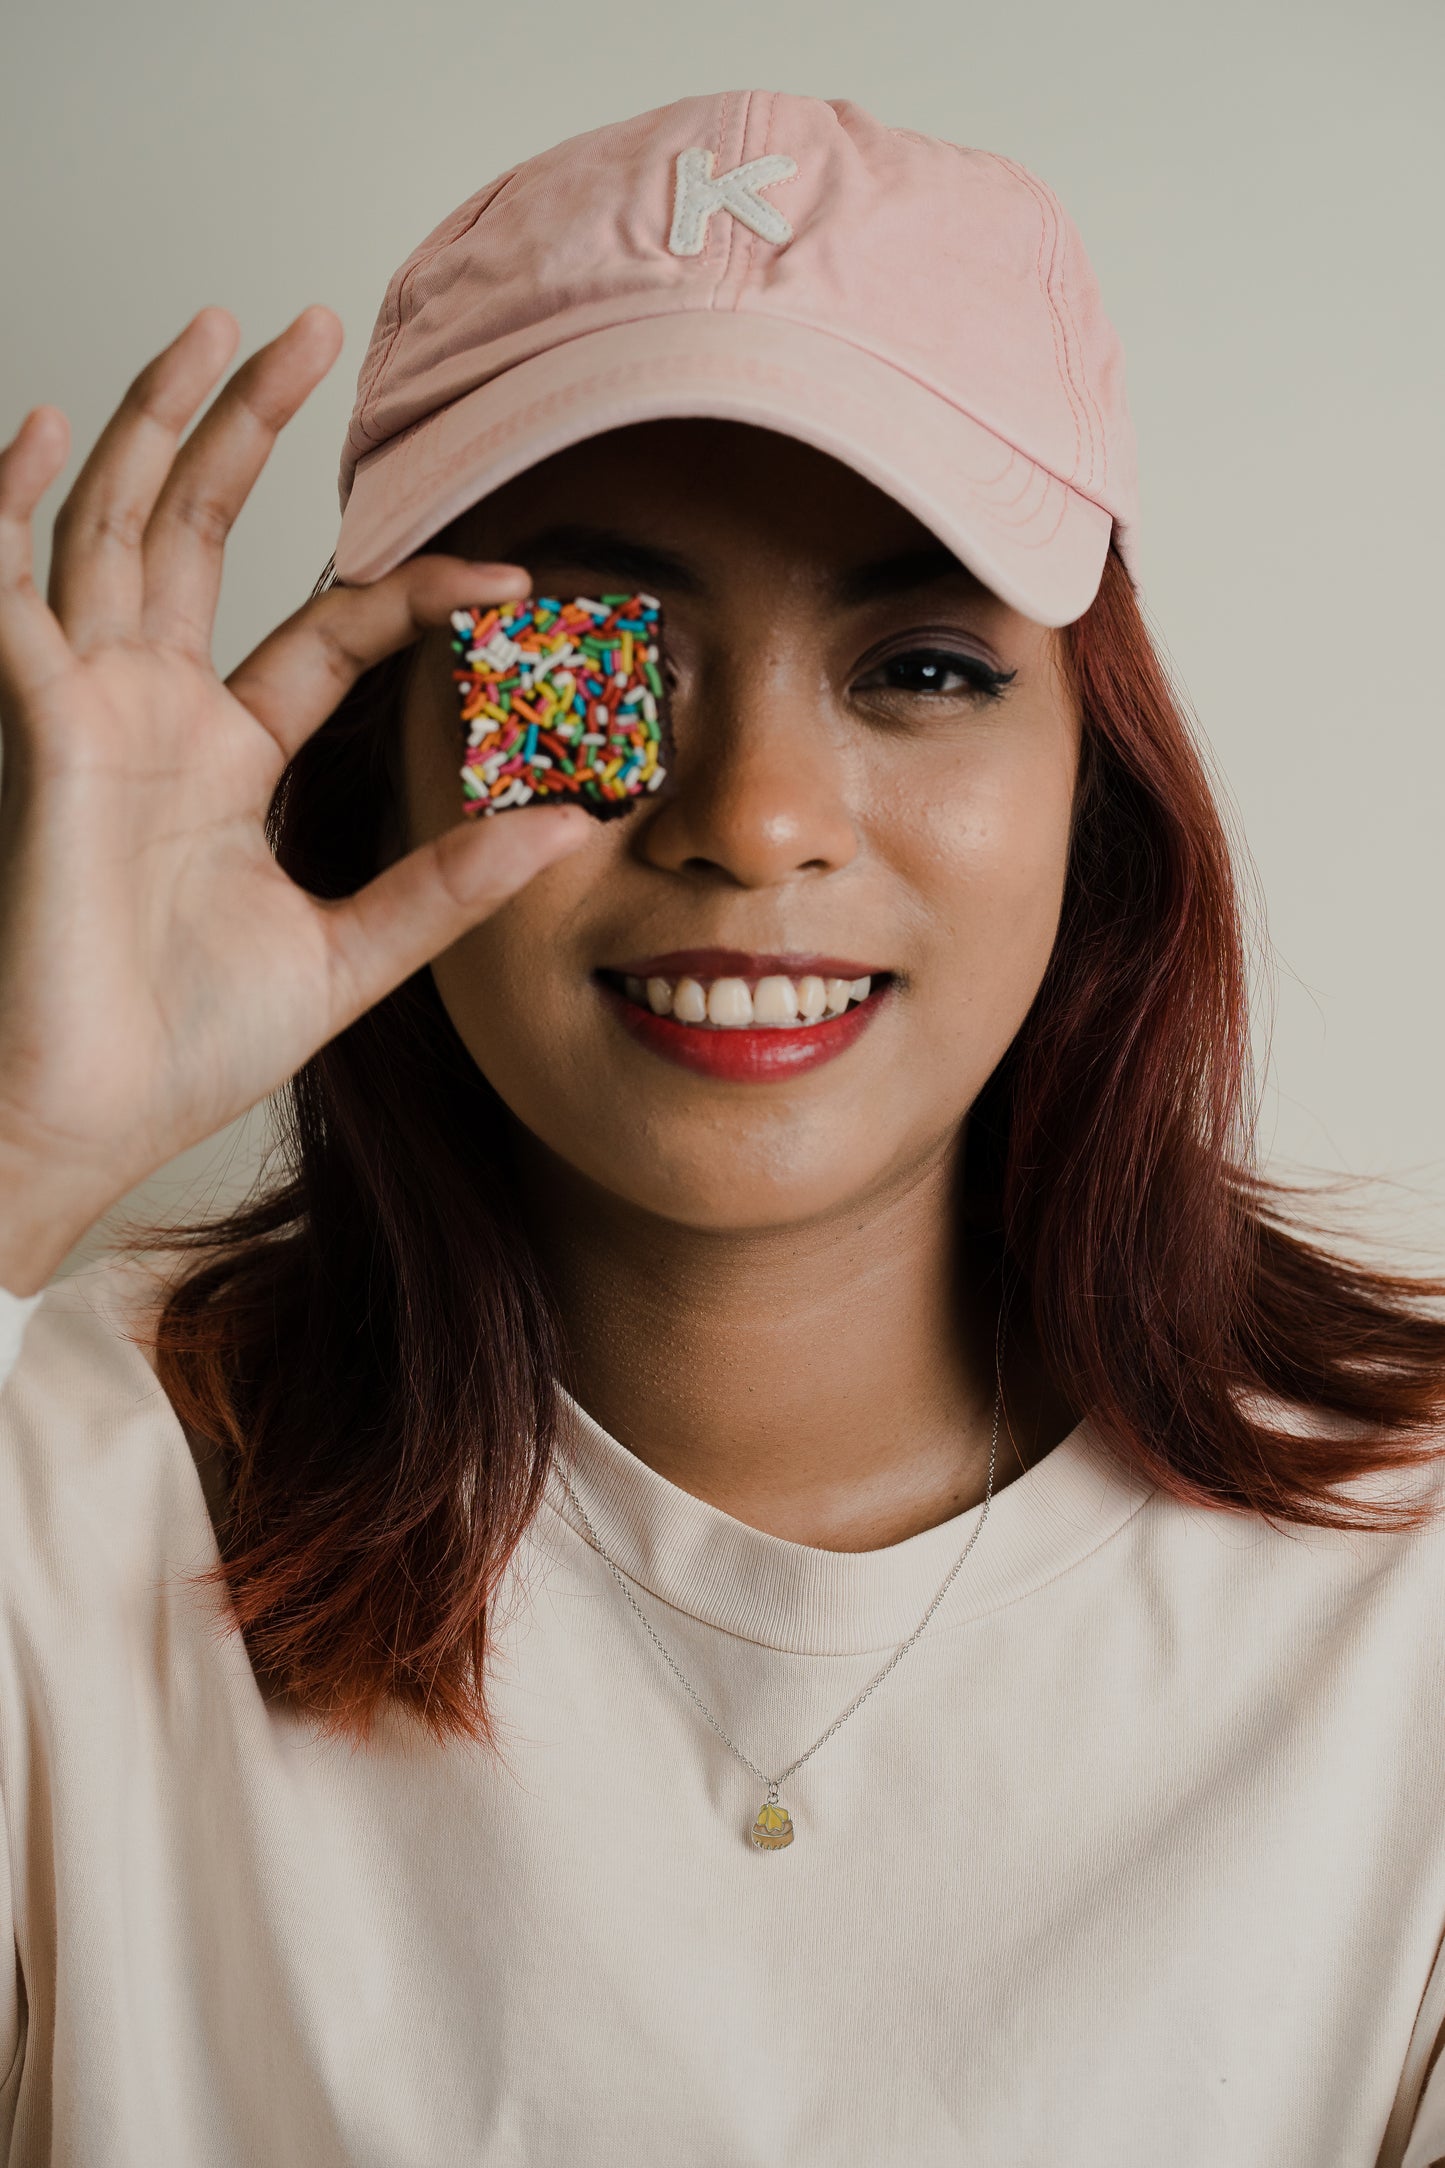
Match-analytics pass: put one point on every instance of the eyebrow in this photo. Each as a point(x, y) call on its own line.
point(900, 574)
point(601, 549)
point(604, 550)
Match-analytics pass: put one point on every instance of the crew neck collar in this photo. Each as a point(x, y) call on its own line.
point(795, 1597)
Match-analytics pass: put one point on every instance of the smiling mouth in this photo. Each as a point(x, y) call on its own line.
point(765, 1001)
point(739, 1017)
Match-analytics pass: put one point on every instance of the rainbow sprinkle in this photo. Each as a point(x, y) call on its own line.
point(560, 699)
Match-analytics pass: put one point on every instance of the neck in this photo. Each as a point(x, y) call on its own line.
point(831, 1383)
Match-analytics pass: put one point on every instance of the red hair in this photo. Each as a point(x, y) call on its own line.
point(370, 1348)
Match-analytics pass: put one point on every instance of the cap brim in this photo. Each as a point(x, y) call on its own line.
point(1034, 541)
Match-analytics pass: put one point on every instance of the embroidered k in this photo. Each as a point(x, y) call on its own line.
point(699, 192)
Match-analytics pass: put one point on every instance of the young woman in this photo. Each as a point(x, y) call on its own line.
point(765, 1543)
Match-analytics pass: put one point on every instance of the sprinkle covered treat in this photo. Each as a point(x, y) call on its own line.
point(561, 700)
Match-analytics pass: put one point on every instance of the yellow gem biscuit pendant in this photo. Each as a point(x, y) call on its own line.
point(774, 1826)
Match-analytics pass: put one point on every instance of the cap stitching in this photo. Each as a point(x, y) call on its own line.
point(1071, 328)
point(1056, 330)
point(857, 345)
point(425, 255)
point(752, 237)
point(1054, 292)
point(718, 282)
point(719, 158)
point(750, 243)
point(1061, 352)
point(1050, 229)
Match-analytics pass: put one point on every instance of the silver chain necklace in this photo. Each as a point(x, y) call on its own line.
point(773, 1828)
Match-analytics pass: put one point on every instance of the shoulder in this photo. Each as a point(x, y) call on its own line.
point(1273, 1575)
point(95, 1470)
point(87, 1348)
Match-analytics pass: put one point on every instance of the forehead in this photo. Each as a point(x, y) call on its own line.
point(699, 487)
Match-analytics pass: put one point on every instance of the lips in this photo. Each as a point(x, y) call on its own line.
point(696, 1007)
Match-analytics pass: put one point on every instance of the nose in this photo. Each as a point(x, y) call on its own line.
point(759, 791)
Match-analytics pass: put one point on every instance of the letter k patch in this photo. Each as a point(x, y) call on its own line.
point(699, 192)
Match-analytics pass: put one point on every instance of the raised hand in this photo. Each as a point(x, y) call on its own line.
point(159, 974)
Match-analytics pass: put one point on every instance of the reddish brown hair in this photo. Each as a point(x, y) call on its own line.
point(371, 1350)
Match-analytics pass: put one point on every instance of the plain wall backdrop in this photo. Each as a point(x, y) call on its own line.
point(1258, 183)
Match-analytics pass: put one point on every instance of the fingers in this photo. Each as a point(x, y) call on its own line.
point(294, 679)
point(33, 649)
point(214, 473)
point(97, 570)
point(430, 898)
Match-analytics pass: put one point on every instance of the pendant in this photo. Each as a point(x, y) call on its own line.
point(774, 1826)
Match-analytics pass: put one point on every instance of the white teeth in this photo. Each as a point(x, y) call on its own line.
point(689, 1002)
point(775, 1001)
point(730, 1002)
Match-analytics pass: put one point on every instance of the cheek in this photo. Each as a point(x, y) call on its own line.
point(986, 861)
point(512, 987)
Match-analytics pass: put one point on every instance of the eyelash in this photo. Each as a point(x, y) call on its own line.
point(985, 682)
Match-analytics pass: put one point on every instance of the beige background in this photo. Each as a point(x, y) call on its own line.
point(1259, 184)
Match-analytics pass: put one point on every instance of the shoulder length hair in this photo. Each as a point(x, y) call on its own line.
point(369, 1348)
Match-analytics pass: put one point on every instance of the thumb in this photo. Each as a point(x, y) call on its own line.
point(414, 909)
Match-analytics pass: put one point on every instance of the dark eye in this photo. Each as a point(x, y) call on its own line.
point(938, 670)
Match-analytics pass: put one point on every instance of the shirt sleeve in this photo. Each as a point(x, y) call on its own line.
point(14, 1312)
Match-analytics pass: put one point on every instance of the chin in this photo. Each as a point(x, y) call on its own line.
point(722, 1183)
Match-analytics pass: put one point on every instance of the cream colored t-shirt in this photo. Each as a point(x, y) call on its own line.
point(1137, 1860)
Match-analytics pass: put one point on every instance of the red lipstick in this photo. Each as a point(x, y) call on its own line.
point(744, 1056)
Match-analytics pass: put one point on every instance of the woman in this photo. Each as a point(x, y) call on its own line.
point(714, 1569)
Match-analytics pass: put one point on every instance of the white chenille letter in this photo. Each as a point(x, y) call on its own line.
point(699, 192)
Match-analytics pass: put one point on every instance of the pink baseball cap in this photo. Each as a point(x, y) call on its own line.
point(923, 312)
